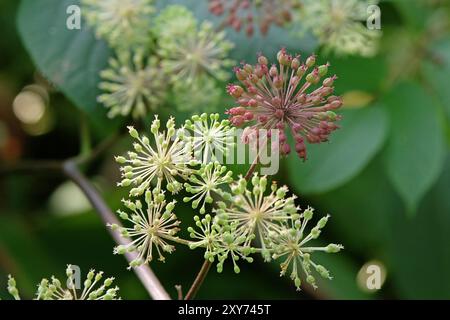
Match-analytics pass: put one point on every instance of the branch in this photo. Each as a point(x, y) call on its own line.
point(198, 280)
point(144, 273)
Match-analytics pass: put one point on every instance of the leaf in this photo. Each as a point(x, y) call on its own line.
point(419, 252)
point(331, 165)
point(437, 72)
point(415, 154)
point(70, 59)
point(361, 211)
point(414, 13)
point(356, 73)
point(23, 254)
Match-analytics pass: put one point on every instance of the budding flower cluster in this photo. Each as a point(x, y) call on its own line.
point(122, 23)
point(152, 226)
point(244, 14)
point(205, 183)
point(239, 218)
point(291, 245)
point(294, 96)
point(93, 288)
point(249, 220)
point(191, 50)
point(132, 84)
point(164, 158)
point(211, 138)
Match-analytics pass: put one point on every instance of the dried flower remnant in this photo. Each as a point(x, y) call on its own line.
point(244, 14)
point(165, 158)
point(132, 84)
point(122, 23)
point(152, 227)
point(289, 97)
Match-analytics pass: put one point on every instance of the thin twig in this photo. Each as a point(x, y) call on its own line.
point(179, 292)
point(198, 280)
point(250, 171)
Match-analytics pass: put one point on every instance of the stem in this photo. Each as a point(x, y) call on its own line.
point(250, 171)
point(198, 280)
point(144, 273)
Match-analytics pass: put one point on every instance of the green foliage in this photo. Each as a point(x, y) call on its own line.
point(69, 59)
point(350, 149)
point(416, 151)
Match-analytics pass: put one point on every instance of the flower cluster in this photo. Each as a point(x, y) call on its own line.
point(205, 182)
point(290, 244)
point(194, 56)
point(169, 56)
point(122, 23)
point(166, 159)
point(340, 25)
point(210, 138)
point(152, 226)
point(94, 288)
point(246, 13)
point(249, 220)
point(240, 218)
point(191, 50)
point(132, 84)
point(289, 97)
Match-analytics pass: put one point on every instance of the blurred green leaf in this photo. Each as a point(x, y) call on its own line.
point(70, 59)
point(413, 12)
point(415, 154)
point(419, 252)
point(22, 254)
point(351, 148)
point(356, 73)
point(437, 73)
point(361, 211)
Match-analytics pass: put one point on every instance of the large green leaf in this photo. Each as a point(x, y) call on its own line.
point(415, 154)
point(351, 148)
point(361, 211)
point(419, 253)
point(70, 59)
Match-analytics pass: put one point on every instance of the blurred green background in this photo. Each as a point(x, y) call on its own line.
point(384, 177)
